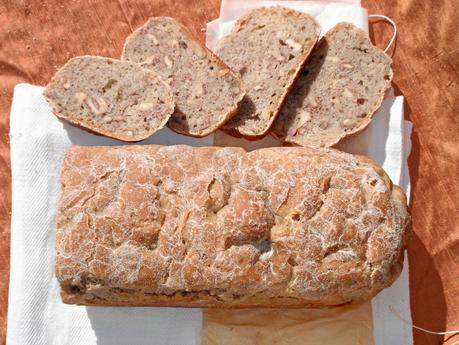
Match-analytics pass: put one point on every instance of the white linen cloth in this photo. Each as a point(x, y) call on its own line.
point(36, 314)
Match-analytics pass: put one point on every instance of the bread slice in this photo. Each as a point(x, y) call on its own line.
point(268, 47)
point(207, 93)
point(115, 98)
point(338, 92)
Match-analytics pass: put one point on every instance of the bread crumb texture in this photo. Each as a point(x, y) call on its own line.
point(206, 92)
point(115, 98)
point(338, 91)
point(267, 47)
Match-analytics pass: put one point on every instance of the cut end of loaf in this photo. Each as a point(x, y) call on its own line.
point(111, 97)
point(338, 91)
point(268, 48)
point(206, 92)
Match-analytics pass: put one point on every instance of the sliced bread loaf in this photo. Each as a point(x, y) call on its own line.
point(268, 47)
point(341, 87)
point(207, 93)
point(115, 98)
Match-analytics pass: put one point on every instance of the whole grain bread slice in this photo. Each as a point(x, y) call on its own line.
point(207, 93)
point(340, 89)
point(267, 47)
point(111, 97)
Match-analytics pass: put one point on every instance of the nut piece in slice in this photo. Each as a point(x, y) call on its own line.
point(206, 92)
point(111, 97)
point(267, 47)
point(339, 90)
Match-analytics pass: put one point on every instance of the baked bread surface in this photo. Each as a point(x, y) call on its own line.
point(206, 92)
point(267, 47)
point(338, 91)
point(208, 227)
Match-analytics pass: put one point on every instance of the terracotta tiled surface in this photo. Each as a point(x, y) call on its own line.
point(37, 38)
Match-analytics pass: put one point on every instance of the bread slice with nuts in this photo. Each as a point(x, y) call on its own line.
point(207, 93)
point(268, 47)
point(111, 97)
point(340, 89)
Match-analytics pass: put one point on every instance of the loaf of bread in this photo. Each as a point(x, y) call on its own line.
point(207, 93)
point(211, 227)
point(339, 90)
point(115, 98)
point(267, 47)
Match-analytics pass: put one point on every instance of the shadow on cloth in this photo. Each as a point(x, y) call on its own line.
point(346, 325)
point(165, 136)
point(145, 326)
point(433, 305)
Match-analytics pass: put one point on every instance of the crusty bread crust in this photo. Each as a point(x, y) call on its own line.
point(214, 59)
point(201, 300)
point(221, 227)
point(363, 122)
point(240, 131)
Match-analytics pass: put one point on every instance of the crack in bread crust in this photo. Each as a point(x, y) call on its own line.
point(184, 226)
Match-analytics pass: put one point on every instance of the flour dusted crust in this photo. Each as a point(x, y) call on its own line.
point(208, 227)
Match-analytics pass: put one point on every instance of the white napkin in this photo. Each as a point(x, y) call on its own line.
point(386, 140)
point(36, 314)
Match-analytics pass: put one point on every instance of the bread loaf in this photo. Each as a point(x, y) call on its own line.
point(209, 227)
point(115, 98)
point(206, 91)
point(339, 90)
point(268, 48)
